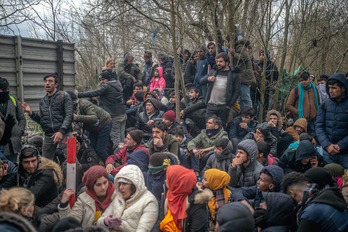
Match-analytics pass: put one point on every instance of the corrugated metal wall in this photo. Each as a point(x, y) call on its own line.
point(24, 62)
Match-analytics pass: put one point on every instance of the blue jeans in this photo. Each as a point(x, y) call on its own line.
point(341, 159)
point(100, 140)
point(244, 98)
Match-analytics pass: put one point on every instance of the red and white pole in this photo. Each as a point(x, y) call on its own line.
point(71, 168)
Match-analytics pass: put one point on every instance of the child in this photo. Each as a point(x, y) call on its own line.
point(157, 81)
point(222, 157)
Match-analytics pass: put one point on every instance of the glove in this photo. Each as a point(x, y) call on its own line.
point(112, 222)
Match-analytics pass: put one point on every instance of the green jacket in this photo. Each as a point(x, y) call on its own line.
point(203, 141)
point(170, 144)
point(93, 117)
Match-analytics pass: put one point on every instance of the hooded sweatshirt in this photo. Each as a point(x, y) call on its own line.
point(221, 161)
point(158, 82)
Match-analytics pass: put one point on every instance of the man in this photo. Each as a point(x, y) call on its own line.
point(111, 100)
point(55, 116)
point(303, 101)
point(202, 70)
point(147, 70)
point(205, 141)
point(241, 60)
point(274, 119)
point(194, 113)
point(138, 87)
point(86, 156)
point(189, 67)
point(96, 121)
point(146, 119)
point(211, 55)
point(41, 176)
point(323, 95)
point(8, 106)
point(8, 173)
point(132, 143)
point(270, 181)
point(162, 141)
point(332, 121)
point(167, 65)
point(223, 88)
point(129, 73)
point(244, 169)
point(169, 120)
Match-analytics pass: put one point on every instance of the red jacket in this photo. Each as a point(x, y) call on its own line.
point(121, 158)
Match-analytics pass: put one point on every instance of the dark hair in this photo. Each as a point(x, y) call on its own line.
point(139, 96)
point(188, 52)
point(194, 89)
point(305, 136)
point(263, 148)
point(292, 178)
point(223, 142)
point(224, 56)
point(248, 111)
point(179, 130)
point(334, 81)
point(323, 77)
point(216, 120)
point(265, 171)
point(138, 84)
point(195, 53)
point(304, 75)
point(211, 43)
point(51, 75)
point(4, 84)
point(203, 48)
point(160, 125)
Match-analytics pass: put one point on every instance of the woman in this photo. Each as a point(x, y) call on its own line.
point(185, 205)
point(17, 200)
point(134, 207)
point(91, 204)
point(217, 181)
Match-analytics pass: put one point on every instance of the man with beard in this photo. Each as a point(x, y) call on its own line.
point(223, 88)
point(12, 114)
point(147, 68)
point(161, 141)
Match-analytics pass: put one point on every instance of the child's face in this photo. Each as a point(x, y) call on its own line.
point(179, 138)
point(156, 73)
point(246, 118)
point(172, 99)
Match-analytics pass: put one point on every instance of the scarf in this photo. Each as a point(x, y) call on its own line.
point(181, 182)
point(102, 205)
point(301, 98)
point(211, 132)
point(217, 181)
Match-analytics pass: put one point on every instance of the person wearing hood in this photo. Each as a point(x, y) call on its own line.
point(234, 217)
point(302, 158)
point(222, 157)
point(111, 100)
point(332, 121)
point(162, 141)
point(185, 206)
point(134, 207)
point(263, 133)
point(139, 158)
point(276, 213)
point(303, 101)
point(157, 81)
point(241, 60)
point(43, 177)
point(269, 181)
point(204, 143)
point(90, 204)
point(194, 112)
point(323, 205)
point(245, 169)
point(146, 119)
point(217, 181)
point(274, 119)
point(96, 121)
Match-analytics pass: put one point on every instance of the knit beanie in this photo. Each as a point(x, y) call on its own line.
point(170, 115)
point(137, 135)
point(223, 142)
point(302, 122)
point(319, 176)
point(92, 174)
point(335, 169)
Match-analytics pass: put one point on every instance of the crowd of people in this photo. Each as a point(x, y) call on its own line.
point(213, 167)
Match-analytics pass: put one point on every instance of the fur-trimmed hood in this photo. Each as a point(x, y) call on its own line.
point(280, 120)
point(47, 164)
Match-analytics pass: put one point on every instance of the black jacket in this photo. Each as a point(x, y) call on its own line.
point(87, 158)
point(110, 97)
point(56, 113)
point(233, 86)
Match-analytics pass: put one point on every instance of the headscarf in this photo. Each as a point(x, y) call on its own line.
point(217, 181)
point(181, 182)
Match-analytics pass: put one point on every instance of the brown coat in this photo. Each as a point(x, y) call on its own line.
point(309, 111)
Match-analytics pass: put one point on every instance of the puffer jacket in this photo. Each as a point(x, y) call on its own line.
point(110, 97)
point(233, 86)
point(93, 117)
point(242, 60)
point(140, 212)
point(203, 141)
point(44, 183)
point(189, 69)
point(222, 161)
point(246, 176)
point(56, 113)
point(332, 120)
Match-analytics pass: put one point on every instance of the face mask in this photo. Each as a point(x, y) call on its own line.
point(4, 97)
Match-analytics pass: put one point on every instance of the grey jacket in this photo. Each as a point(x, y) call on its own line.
point(222, 161)
point(110, 97)
point(56, 113)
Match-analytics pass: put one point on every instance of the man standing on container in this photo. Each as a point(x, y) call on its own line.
point(55, 116)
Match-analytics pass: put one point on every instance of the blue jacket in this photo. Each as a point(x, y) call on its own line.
point(155, 183)
point(202, 70)
point(332, 119)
